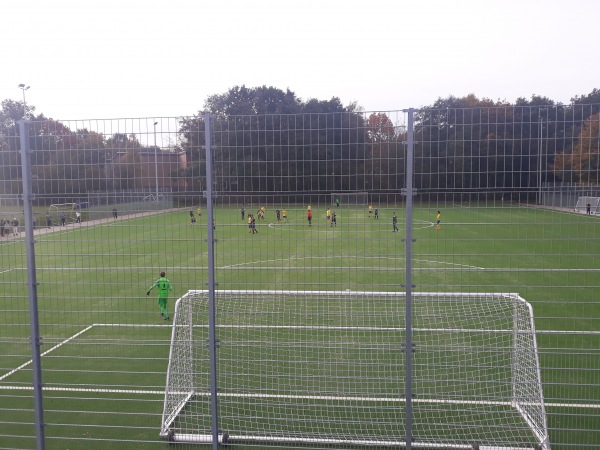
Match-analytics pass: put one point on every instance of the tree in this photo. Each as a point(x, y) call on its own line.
point(583, 164)
point(380, 128)
point(241, 100)
point(123, 160)
point(266, 140)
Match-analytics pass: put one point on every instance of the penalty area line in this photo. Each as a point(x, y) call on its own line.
point(46, 352)
point(89, 390)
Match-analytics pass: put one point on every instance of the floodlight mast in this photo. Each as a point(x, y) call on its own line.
point(155, 161)
point(24, 88)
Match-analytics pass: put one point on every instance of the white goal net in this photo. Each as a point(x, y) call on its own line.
point(350, 198)
point(63, 212)
point(583, 202)
point(328, 368)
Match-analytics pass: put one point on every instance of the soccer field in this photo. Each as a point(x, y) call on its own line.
point(106, 346)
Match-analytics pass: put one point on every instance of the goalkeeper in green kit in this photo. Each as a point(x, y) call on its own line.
point(164, 286)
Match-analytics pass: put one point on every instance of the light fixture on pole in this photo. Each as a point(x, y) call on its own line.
point(24, 88)
point(156, 161)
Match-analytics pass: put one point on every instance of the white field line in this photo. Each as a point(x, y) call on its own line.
point(291, 263)
point(5, 271)
point(284, 396)
point(356, 328)
point(297, 397)
point(46, 352)
point(330, 267)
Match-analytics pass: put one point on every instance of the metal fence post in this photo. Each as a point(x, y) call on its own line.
point(211, 285)
point(409, 285)
point(32, 285)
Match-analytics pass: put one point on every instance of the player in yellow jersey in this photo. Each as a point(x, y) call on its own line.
point(284, 215)
point(370, 211)
point(438, 219)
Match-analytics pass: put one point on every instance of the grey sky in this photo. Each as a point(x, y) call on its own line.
point(155, 58)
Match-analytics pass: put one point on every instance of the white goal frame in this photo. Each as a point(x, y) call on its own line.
point(583, 201)
point(68, 208)
point(478, 345)
point(350, 198)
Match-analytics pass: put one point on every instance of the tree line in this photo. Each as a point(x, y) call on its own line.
point(268, 140)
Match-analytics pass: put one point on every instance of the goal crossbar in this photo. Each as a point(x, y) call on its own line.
point(350, 198)
point(63, 211)
point(293, 358)
point(583, 202)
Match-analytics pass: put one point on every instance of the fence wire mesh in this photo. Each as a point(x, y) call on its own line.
point(501, 206)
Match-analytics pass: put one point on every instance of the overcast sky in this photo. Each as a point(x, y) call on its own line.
point(87, 59)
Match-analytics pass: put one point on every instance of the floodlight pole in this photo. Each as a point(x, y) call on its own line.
point(156, 161)
point(34, 326)
point(540, 161)
point(24, 88)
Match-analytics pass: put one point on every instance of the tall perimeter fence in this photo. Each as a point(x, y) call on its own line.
point(399, 279)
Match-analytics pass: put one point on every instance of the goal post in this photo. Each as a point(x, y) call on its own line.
point(328, 368)
point(59, 210)
point(582, 202)
point(350, 198)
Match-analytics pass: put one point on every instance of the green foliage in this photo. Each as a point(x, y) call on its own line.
point(269, 140)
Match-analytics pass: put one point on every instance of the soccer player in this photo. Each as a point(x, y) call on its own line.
point(395, 222)
point(192, 218)
point(284, 215)
point(250, 221)
point(328, 215)
point(63, 219)
point(337, 202)
point(15, 225)
point(588, 209)
point(376, 213)
point(370, 211)
point(278, 215)
point(115, 214)
point(243, 211)
point(78, 215)
point(309, 216)
point(164, 286)
point(438, 219)
point(333, 219)
point(199, 212)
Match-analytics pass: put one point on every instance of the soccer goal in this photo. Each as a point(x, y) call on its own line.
point(66, 210)
point(582, 203)
point(329, 369)
point(350, 198)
